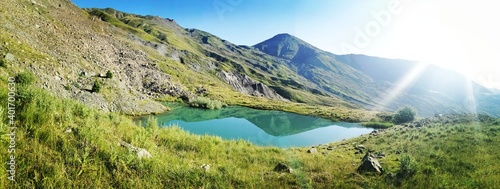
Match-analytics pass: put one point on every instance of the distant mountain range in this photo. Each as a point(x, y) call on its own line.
point(153, 58)
point(382, 83)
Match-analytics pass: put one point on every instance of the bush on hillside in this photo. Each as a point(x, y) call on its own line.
point(2, 62)
point(25, 78)
point(109, 74)
point(407, 168)
point(202, 102)
point(404, 115)
point(96, 88)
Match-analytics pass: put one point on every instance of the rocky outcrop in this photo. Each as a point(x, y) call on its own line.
point(370, 164)
point(249, 86)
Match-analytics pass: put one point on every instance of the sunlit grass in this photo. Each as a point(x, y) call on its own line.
point(451, 153)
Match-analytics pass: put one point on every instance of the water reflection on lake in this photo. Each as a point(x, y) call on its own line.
point(261, 127)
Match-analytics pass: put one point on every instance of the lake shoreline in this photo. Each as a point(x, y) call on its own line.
point(260, 127)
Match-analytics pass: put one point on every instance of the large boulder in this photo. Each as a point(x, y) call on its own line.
point(370, 164)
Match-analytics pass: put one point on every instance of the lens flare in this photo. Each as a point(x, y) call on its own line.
point(402, 85)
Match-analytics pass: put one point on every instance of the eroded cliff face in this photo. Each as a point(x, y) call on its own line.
point(249, 86)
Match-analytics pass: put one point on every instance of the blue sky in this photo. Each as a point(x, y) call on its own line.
point(243, 22)
point(459, 35)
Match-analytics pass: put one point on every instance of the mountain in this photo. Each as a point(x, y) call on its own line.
point(380, 83)
point(68, 50)
point(432, 89)
point(151, 58)
point(329, 75)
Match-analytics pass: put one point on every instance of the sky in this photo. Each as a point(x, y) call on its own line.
point(461, 35)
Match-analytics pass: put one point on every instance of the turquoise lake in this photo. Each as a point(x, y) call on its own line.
point(260, 127)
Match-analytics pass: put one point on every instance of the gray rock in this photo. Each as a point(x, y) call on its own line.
point(9, 57)
point(380, 155)
point(205, 167)
point(370, 164)
point(68, 131)
point(312, 150)
point(281, 167)
point(141, 152)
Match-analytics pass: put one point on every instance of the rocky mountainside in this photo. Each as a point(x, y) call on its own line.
point(69, 49)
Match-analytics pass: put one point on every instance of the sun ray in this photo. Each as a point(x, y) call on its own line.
point(401, 86)
point(470, 101)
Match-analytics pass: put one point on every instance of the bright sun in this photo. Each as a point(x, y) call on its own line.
point(458, 35)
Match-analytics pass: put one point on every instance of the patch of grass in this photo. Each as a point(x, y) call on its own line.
point(407, 168)
point(378, 125)
point(25, 78)
point(109, 74)
point(96, 87)
point(64, 144)
point(202, 102)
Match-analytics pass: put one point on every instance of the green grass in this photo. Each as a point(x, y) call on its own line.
point(202, 102)
point(458, 155)
point(377, 125)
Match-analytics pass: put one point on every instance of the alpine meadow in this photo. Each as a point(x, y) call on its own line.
point(82, 92)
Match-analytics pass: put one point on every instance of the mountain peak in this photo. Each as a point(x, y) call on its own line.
point(284, 35)
point(284, 45)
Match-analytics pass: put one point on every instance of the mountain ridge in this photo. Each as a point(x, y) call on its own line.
point(438, 89)
point(155, 58)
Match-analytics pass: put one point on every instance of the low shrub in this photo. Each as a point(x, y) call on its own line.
point(407, 167)
point(202, 102)
point(96, 88)
point(109, 74)
point(25, 78)
point(404, 115)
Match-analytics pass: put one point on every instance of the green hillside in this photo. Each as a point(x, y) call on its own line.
point(76, 78)
point(63, 144)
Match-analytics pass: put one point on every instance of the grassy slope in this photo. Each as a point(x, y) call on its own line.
point(56, 54)
point(448, 155)
point(325, 107)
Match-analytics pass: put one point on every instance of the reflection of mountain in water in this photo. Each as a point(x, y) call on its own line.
point(274, 123)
